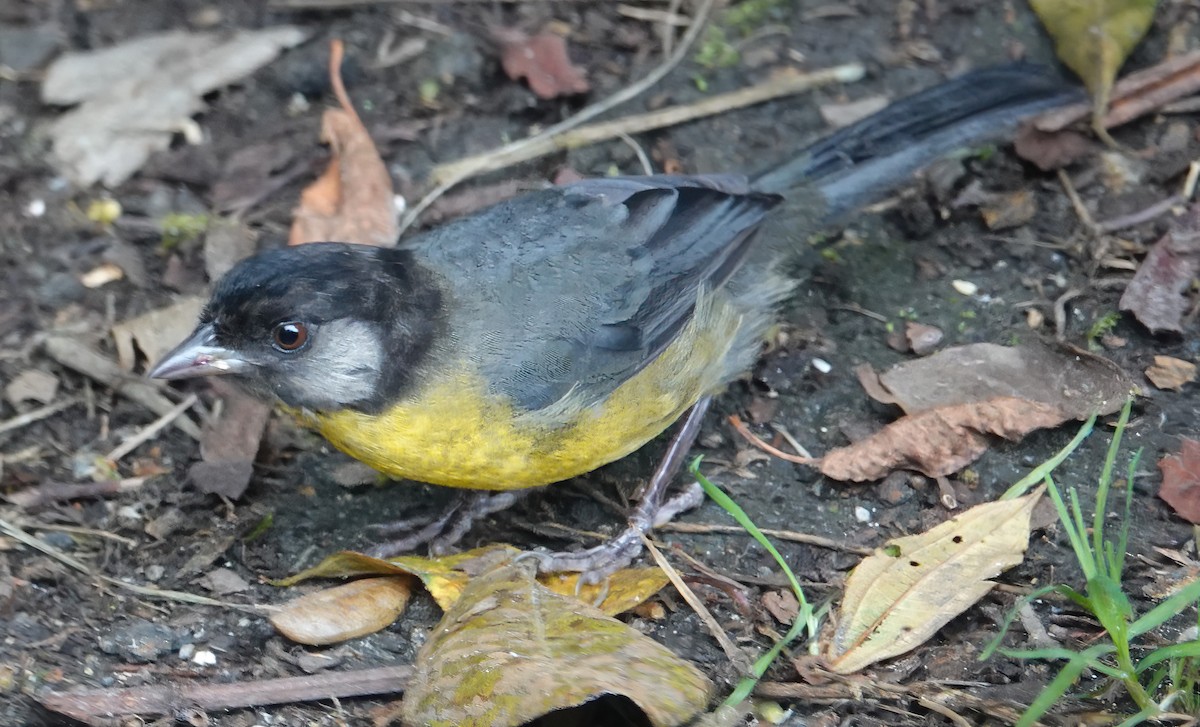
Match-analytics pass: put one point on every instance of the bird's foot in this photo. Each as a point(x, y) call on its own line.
point(442, 532)
point(596, 564)
point(652, 511)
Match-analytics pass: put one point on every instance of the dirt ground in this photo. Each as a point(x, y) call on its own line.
point(59, 628)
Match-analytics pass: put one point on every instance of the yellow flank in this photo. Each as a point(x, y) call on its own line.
point(453, 434)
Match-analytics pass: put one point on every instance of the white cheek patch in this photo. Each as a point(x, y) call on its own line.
point(344, 363)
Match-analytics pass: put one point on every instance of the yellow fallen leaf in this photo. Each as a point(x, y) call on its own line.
point(511, 650)
point(911, 587)
point(446, 576)
point(345, 611)
point(1093, 38)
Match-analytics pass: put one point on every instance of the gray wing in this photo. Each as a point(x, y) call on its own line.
point(577, 288)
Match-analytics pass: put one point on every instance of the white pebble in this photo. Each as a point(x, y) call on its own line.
point(862, 514)
point(36, 207)
point(187, 651)
point(204, 658)
point(965, 287)
point(822, 365)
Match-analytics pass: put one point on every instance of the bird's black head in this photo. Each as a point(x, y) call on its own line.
point(323, 326)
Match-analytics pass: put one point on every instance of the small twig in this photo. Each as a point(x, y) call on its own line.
point(1081, 210)
point(151, 430)
point(168, 698)
point(788, 535)
point(79, 357)
point(935, 706)
point(446, 176)
point(59, 491)
point(668, 18)
point(86, 532)
point(856, 308)
point(740, 661)
point(787, 437)
point(557, 139)
point(37, 543)
point(1060, 312)
point(1144, 215)
point(29, 417)
point(741, 428)
point(647, 167)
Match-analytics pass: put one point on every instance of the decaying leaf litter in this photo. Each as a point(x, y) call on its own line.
point(817, 337)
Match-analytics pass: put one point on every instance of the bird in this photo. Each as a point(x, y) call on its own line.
point(563, 329)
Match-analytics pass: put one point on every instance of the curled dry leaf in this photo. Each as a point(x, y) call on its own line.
point(901, 595)
point(353, 200)
point(1050, 150)
point(1076, 382)
point(136, 95)
point(343, 612)
point(446, 576)
point(542, 61)
point(1171, 373)
point(1181, 480)
point(1157, 294)
point(940, 441)
point(157, 331)
point(510, 650)
point(229, 444)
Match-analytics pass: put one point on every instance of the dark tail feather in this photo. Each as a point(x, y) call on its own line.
point(861, 162)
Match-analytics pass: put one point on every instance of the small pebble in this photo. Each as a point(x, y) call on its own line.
point(204, 658)
point(965, 287)
point(187, 651)
point(862, 514)
point(822, 365)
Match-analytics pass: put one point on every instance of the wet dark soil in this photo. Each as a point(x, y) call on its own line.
point(61, 628)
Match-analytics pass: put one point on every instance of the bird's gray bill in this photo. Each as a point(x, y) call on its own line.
point(199, 355)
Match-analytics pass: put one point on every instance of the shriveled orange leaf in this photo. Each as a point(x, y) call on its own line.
point(1169, 372)
point(446, 576)
point(345, 611)
point(1181, 480)
point(353, 200)
point(938, 442)
point(912, 586)
point(542, 61)
point(510, 650)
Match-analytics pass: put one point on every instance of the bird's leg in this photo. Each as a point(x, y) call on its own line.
point(446, 529)
point(651, 511)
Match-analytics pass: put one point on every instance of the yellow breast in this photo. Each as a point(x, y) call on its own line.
point(453, 433)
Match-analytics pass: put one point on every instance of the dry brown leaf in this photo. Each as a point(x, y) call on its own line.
point(922, 339)
point(446, 576)
point(1074, 381)
point(542, 61)
point(1171, 373)
point(1181, 480)
point(343, 612)
point(1050, 150)
point(353, 200)
point(1157, 294)
point(31, 385)
point(1008, 210)
point(938, 442)
point(229, 445)
point(157, 331)
point(901, 595)
point(510, 650)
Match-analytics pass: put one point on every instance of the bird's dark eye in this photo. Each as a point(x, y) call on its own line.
point(290, 336)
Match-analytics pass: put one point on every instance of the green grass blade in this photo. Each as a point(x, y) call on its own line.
point(1010, 617)
point(1058, 686)
point(1164, 611)
point(1043, 470)
point(1186, 650)
point(1106, 475)
point(1078, 543)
